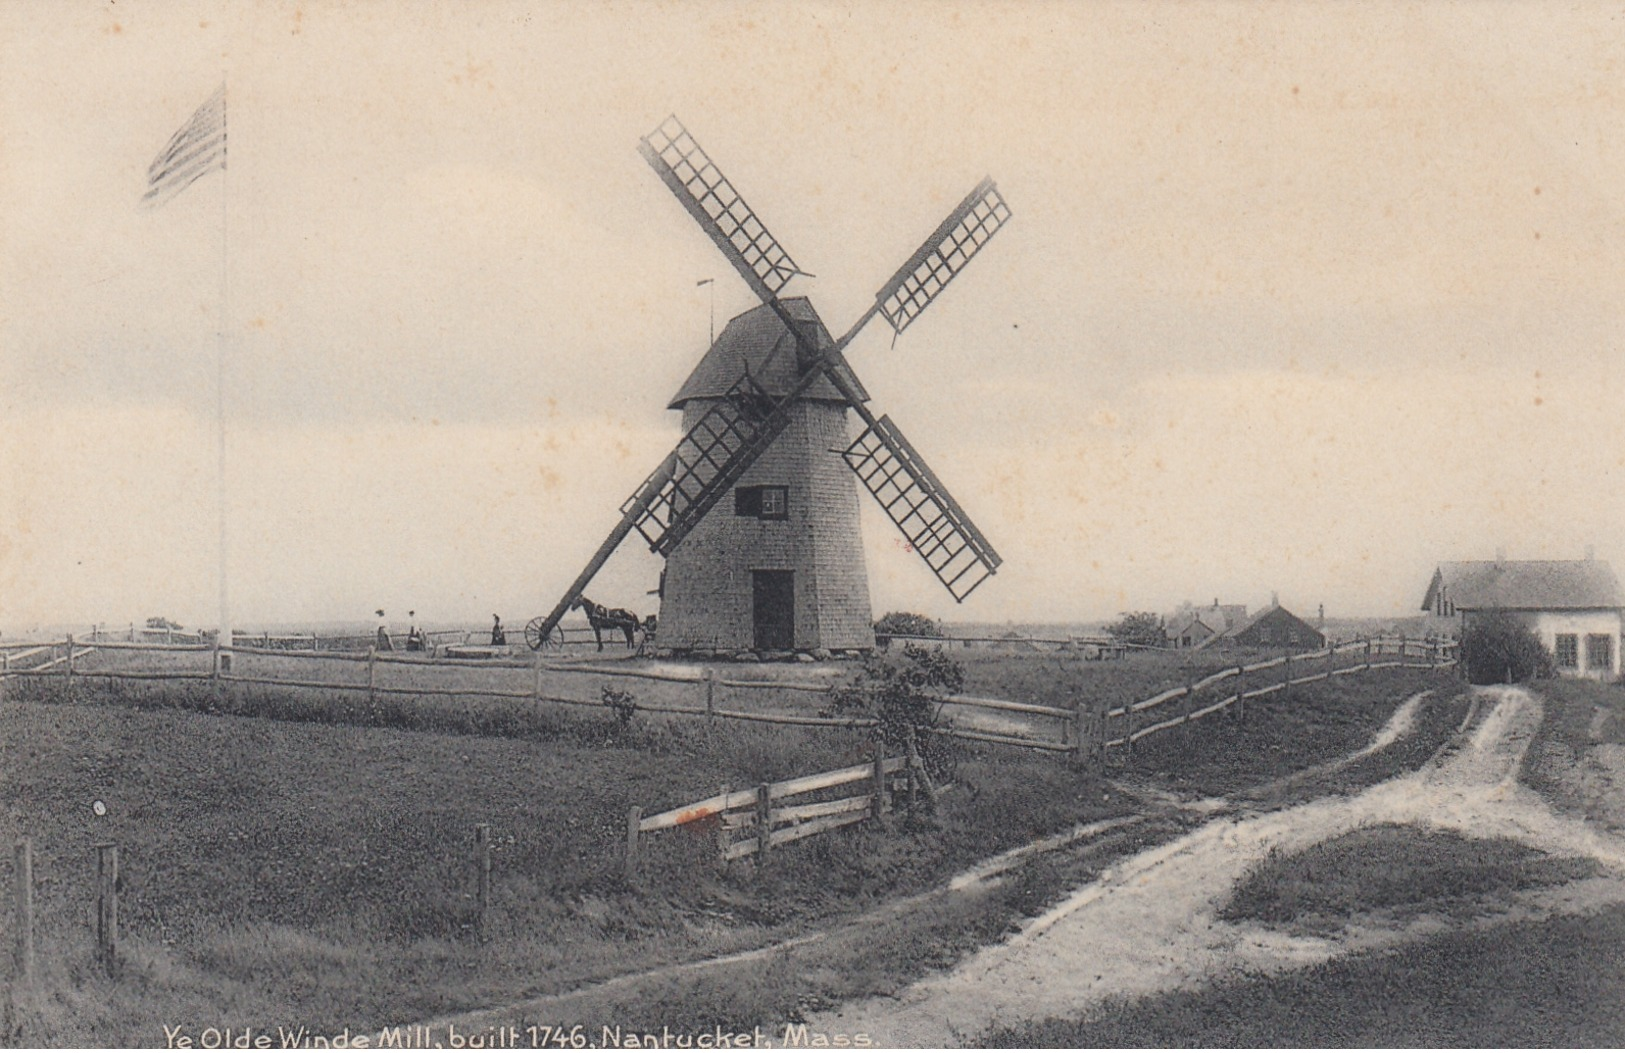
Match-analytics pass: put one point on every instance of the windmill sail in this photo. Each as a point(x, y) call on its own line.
point(706, 462)
point(930, 519)
point(944, 254)
point(718, 208)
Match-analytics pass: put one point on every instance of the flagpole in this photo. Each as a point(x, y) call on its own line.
point(225, 634)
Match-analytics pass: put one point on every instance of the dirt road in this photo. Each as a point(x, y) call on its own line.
point(1149, 924)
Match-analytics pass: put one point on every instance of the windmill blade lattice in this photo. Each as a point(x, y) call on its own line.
point(707, 461)
point(718, 208)
point(944, 254)
point(931, 520)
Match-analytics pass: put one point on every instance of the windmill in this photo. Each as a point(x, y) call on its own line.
point(735, 422)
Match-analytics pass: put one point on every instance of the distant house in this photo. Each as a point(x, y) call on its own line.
point(1575, 606)
point(1275, 626)
point(1193, 626)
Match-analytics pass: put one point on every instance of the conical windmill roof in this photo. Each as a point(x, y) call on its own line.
point(758, 340)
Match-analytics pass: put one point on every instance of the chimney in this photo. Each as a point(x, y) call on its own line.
point(1591, 553)
point(1275, 599)
point(1500, 554)
point(1320, 620)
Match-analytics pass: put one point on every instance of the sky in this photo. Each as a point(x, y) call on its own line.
point(1297, 298)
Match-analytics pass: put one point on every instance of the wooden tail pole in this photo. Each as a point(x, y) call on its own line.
point(23, 879)
point(629, 519)
point(107, 907)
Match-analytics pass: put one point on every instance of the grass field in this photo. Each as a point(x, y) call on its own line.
point(1399, 870)
point(316, 866)
point(1553, 983)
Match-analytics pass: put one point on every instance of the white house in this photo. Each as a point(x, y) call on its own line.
point(1574, 606)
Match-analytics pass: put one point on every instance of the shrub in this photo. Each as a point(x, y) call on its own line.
point(1498, 648)
point(900, 695)
point(901, 623)
point(1142, 628)
point(622, 702)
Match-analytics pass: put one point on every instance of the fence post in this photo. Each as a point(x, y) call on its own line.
point(1402, 649)
point(724, 836)
point(482, 874)
point(1286, 674)
point(536, 680)
point(1081, 738)
point(1241, 692)
point(23, 880)
point(67, 672)
point(710, 691)
point(764, 822)
point(634, 816)
point(372, 675)
point(877, 807)
point(107, 907)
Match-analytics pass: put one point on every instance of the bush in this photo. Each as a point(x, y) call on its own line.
point(1498, 648)
point(1142, 628)
point(901, 623)
point(899, 694)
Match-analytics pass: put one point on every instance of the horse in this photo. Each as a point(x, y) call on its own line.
point(601, 618)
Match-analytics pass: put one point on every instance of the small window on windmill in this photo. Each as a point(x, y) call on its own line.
point(775, 502)
point(762, 502)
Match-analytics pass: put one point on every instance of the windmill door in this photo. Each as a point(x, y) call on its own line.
point(773, 609)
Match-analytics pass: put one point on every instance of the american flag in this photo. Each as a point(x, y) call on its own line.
point(193, 152)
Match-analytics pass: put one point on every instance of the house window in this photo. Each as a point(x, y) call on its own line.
point(1568, 651)
point(762, 502)
point(1599, 651)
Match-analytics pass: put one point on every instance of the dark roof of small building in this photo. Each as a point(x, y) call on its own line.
point(758, 340)
point(1273, 609)
point(1526, 585)
point(1184, 623)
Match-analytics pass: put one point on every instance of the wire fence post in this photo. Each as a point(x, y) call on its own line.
point(634, 819)
point(711, 691)
point(482, 873)
point(107, 907)
point(536, 680)
point(372, 676)
point(23, 880)
point(1286, 674)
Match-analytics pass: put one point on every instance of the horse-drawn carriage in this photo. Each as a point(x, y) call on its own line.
point(639, 632)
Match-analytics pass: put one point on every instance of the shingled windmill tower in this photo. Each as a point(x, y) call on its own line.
point(756, 508)
point(780, 565)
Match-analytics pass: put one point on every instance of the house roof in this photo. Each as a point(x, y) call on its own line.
point(1238, 630)
point(758, 341)
point(1186, 622)
point(1526, 585)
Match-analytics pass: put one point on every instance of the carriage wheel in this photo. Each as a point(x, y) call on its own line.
point(533, 635)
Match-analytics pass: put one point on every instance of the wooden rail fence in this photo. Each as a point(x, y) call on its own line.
point(765, 823)
point(1085, 730)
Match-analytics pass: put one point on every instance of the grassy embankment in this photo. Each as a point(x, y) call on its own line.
point(1543, 982)
point(284, 870)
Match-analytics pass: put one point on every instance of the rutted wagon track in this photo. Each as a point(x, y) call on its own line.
point(1149, 924)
